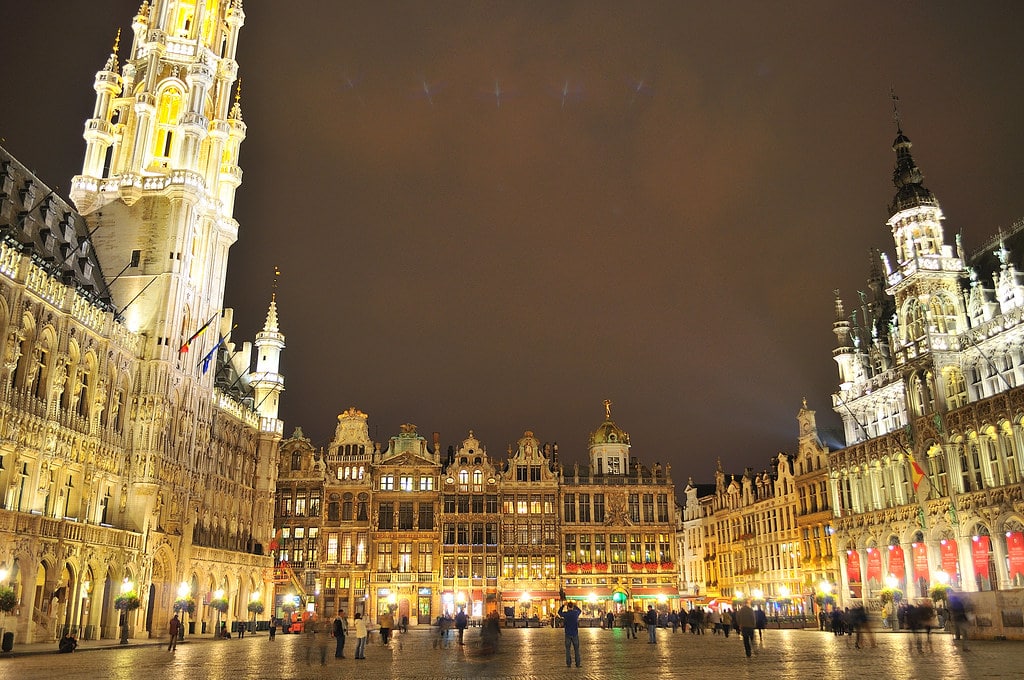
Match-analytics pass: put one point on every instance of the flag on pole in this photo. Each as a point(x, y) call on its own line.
point(922, 489)
point(202, 329)
point(213, 352)
point(917, 475)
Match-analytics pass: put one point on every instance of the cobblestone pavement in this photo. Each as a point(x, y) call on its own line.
point(537, 653)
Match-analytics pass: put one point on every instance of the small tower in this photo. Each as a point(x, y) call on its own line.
point(609, 447)
point(267, 381)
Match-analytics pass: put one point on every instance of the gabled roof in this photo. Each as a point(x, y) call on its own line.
point(34, 219)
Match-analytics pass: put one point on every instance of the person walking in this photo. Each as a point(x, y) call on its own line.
point(959, 612)
point(762, 623)
point(173, 630)
point(726, 621)
point(339, 635)
point(315, 639)
point(570, 616)
point(638, 620)
point(272, 625)
point(387, 623)
point(626, 621)
point(361, 634)
point(461, 620)
point(747, 621)
point(651, 619)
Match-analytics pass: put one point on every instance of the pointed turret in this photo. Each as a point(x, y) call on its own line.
point(267, 381)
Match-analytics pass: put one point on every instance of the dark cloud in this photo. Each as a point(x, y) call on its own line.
point(672, 246)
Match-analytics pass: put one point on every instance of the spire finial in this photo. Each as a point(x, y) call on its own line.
point(607, 409)
point(273, 287)
point(896, 109)
point(238, 91)
point(111, 64)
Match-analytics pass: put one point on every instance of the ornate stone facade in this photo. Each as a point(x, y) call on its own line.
point(133, 454)
point(931, 366)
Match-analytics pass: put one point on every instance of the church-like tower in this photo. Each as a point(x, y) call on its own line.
point(161, 167)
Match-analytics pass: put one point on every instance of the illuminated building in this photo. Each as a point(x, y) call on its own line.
point(528, 582)
point(408, 530)
point(618, 528)
point(470, 522)
point(931, 364)
point(762, 536)
point(137, 451)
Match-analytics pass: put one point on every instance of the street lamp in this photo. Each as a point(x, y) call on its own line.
point(217, 595)
point(127, 601)
point(524, 602)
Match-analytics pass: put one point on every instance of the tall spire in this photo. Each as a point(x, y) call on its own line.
point(907, 177)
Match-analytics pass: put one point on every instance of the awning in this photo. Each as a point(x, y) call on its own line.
point(510, 595)
point(654, 592)
point(603, 593)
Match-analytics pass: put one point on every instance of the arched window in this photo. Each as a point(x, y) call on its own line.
point(168, 115)
point(296, 460)
point(956, 387)
point(913, 321)
point(943, 314)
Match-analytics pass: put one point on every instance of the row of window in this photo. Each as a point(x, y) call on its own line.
point(616, 549)
point(585, 507)
point(406, 483)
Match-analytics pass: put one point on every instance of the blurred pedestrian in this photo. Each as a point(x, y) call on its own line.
point(747, 621)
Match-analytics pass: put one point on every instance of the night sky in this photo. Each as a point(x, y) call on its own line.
point(495, 215)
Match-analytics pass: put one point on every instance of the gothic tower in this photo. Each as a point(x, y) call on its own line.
point(161, 167)
point(926, 286)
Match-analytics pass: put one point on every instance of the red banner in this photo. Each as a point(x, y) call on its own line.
point(920, 552)
point(853, 566)
point(947, 551)
point(897, 564)
point(979, 553)
point(874, 564)
point(1015, 552)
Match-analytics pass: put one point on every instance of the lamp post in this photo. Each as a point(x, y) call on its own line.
point(184, 595)
point(127, 602)
point(524, 602)
point(218, 595)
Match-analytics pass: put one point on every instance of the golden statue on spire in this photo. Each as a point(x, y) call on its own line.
point(608, 409)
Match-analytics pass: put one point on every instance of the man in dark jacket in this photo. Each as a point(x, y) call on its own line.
point(461, 621)
point(747, 621)
point(651, 619)
point(339, 635)
point(570, 614)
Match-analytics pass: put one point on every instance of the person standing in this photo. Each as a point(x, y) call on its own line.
point(173, 629)
point(272, 624)
point(762, 622)
point(339, 635)
point(638, 620)
point(651, 619)
point(387, 622)
point(570, 616)
point(461, 620)
point(361, 634)
point(747, 621)
point(959, 612)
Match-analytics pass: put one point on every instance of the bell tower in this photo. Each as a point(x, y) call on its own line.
point(161, 167)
